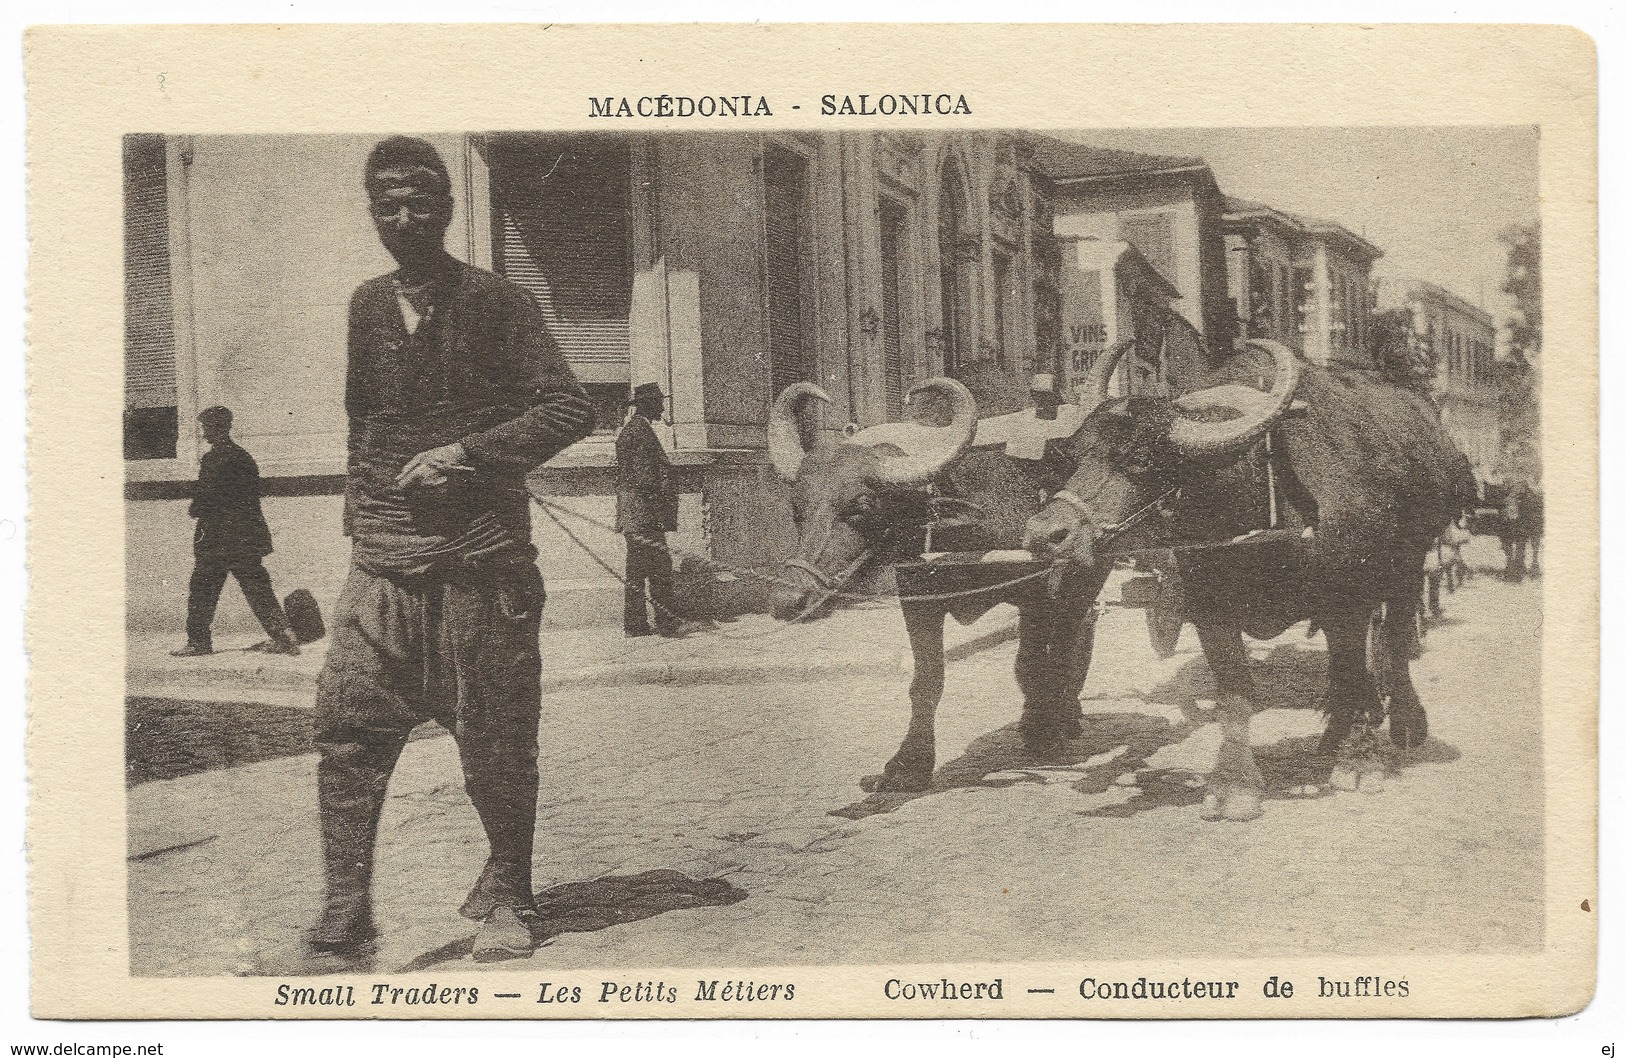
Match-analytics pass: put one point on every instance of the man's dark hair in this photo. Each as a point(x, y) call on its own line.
point(405, 152)
point(215, 416)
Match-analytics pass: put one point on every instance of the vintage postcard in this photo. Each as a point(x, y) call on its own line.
point(802, 521)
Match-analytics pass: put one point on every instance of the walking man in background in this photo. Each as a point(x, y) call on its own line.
point(230, 537)
point(455, 392)
point(645, 511)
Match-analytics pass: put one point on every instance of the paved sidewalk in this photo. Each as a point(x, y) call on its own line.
point(867, 639)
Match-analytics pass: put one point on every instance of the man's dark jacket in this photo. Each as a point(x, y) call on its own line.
point(645, 490)
point(230, 524)
point(481, 370)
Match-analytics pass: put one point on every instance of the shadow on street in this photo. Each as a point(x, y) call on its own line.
point(1289, 677)
point(167, 738)
point(586, 907)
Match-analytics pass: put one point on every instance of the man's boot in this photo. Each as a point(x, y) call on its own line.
point(502, 786)
point(350, 790)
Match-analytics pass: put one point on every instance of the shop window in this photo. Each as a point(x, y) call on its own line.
point(789, 272)
point(893, 218)
point(1153, 235)
point(151, 422)
point(1260, 296)
point(561, 227)
point(1303, 298)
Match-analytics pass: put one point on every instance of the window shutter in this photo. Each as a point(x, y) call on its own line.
point(784, 184)
point(149, 322)
point(561, 228)
point(1153, 236)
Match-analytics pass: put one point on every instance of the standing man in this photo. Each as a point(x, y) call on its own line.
point(230, 537)
point(455, 392)
point(645, 511)
point(1046, 401)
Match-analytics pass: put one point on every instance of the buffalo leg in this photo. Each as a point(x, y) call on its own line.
point(1075, 646)
point(1352, 703)
point(1407, 720)
point(1052, 661)
point(1035, 676)
point(915, 761)
point(1235, 786)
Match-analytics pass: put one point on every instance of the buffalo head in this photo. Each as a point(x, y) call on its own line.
point(1129, 448)
point(856, 500)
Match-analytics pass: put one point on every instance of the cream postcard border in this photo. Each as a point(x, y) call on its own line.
point(89, 85)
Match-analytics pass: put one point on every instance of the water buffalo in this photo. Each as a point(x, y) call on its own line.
point(1365, 478)
point(863, 503)
point(1523, 530)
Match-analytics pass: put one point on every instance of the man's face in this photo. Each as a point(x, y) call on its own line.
point(651, 407)
point(214, 432)
point(411, 210)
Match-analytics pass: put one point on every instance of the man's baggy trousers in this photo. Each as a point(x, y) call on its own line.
point(461, 649)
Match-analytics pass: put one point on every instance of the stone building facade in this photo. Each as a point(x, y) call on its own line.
point(1110, 293)
point(1300, 280)
point(1461, 337)
point(723, 266)
point(1168, 208)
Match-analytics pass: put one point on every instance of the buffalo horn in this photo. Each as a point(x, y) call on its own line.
point(925, 449)
point(784, 429)
point(1100, 375)
point(1259, 411)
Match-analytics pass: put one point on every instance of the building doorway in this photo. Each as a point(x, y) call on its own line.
point(959, 248)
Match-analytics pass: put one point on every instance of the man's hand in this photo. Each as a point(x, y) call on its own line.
point(433, 468)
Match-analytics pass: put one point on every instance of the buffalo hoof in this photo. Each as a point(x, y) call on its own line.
point(1236, 805)
point(910, 777)
point(1407, 725)
point(1349, 778)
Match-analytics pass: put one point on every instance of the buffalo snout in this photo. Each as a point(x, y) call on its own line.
point(1058, 533)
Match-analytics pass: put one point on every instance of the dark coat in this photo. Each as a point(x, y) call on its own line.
point(645, 487)
point(230, 524)
point(480, 370)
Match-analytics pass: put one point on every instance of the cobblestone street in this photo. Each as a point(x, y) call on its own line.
point(1096, 851)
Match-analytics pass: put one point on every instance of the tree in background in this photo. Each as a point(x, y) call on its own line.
point(1519, 383)
point(1400, 354)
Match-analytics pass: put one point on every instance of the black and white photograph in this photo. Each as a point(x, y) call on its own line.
point(1106, 561)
